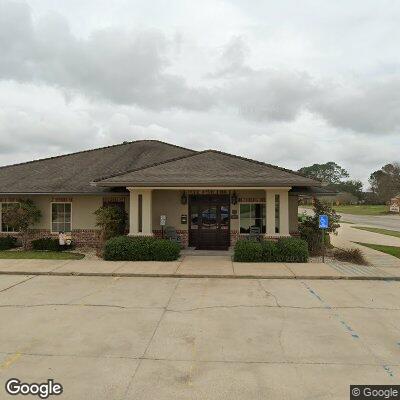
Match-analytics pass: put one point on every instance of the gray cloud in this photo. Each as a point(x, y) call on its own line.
point(131, 67)
point(270, 95)
point(291, 94)
point(119, 66)
point(372, 107)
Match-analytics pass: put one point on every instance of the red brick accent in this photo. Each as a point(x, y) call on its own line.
point(91, 237)
point(182, 233)
point(235, 236)
point(80, 237)
point(86, 237)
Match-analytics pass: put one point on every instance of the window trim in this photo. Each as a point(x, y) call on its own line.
point(51, 214)
point(1, 219)
point(265, 215)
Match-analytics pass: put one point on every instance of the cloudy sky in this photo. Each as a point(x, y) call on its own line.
point(290, 83)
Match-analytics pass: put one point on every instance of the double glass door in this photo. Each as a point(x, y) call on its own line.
point(209, 222)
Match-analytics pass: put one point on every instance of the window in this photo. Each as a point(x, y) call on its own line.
point(252, 215)
point(277, 212)
point(194, 216)
point(209, 218)
point(140, 213)
point(3, 208)
point(61, 217)
point(224, 222)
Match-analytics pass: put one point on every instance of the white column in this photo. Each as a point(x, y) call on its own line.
point(133, 212)
point(284, 212)
point(270, 211)
point(140, 217)
point(147, 223)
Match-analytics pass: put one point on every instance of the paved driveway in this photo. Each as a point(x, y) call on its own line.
point(391, 222)
point(171, 338)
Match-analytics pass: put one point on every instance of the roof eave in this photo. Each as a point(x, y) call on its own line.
point(200, 184)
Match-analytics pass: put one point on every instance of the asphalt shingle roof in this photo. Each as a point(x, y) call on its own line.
point(73, 173)
point(209, 168)
point(141, 163)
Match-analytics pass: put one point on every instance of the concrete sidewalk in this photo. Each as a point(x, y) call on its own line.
point(347, 235)
point(198, 266)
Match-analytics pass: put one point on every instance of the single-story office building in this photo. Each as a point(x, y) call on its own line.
point(211, 198)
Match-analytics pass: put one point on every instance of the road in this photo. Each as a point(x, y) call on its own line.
point(391, 222)
point(178, 339)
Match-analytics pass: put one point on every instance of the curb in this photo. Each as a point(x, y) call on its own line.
point(203, 276)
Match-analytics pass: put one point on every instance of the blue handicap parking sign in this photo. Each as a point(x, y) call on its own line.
point(323, 221)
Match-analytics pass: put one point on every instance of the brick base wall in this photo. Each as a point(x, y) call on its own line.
point(235, 236)
point(90, 238)
point(182, 233)
point(81, 237)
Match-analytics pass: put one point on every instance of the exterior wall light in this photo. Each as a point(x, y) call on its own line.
point(184, 198)
point(234, 198)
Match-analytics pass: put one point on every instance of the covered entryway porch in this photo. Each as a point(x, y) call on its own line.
point(212, 198)
point(210, 218)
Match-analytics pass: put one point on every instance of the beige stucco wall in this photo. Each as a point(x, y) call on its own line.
point(165, 202)
point(83, 208)
point(168, 202)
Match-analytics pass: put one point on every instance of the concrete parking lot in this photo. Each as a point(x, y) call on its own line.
point(190, 338)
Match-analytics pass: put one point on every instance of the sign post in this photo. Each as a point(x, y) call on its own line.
point(323, 224)
point(163, 221)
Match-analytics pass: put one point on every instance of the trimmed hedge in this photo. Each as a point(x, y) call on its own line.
point(8, 242)
point(270, 251)
point(165, 250)
point(248, 251)
point(140, 248)
point(48, 243)
point(292, 250)
point(284, 250)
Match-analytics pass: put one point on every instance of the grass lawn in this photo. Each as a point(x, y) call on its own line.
point(392, 250)
point(44, 255)
point(363, 209)
point(379, 230)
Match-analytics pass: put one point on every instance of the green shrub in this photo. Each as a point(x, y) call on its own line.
point(248, 251)
point(292, 249)
point(8, 242)
point(313, 237)
point(355, 256)
point(22, 215)
point(165, 250)
point(284, 250)
point(270, 252)
point(47, 243)
point(112, 221)
point(309, 226)
point(140, 248)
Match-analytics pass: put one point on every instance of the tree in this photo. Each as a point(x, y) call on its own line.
point(330, 172)
point(351, 186)
point(22, 216)
point(309, 226)
point(333, 174)
point(385, 183)
point(111, 220)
